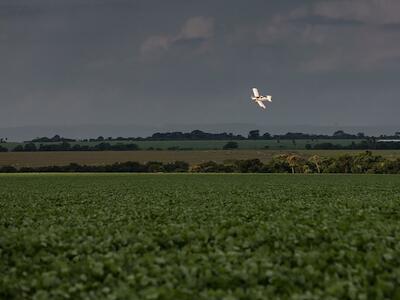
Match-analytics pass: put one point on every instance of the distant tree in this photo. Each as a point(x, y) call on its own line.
point(338, 133)
point(8, 169)
point(293, 161)
point(124, 147)
point(3, 149)
point(249, 166)
point(178, 166)
point(327, 146)
point(316, 160)
point(266, 136)
point(18, 148)
point(308, 146)
point(343, 164)
point(64, 146)
point(194, 135)
point(102, 147)
point(360, 135)
point(365, 162)
point(30, 147)
point(278, 164)
point(230, 145)
point(254, 134)
point(206, 167)
point(155, 166)
point(54, 139)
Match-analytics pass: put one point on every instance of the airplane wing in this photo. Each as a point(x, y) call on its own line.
point(255, 92)
point(261, 104)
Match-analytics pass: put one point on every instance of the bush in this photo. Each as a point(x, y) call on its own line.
point(155, 166)
point(287, 163)
point(178, 166)
point(249, 166)
point(206, 167)
point(8, 169)
point(18, 148)
point(327, 146)
point(230, 145)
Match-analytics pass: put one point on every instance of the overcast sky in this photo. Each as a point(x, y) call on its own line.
point(325, 62)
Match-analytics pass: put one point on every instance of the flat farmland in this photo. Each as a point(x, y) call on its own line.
point(37, 159)
point(191, 236)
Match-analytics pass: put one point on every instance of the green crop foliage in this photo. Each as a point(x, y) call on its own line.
point(190, 236)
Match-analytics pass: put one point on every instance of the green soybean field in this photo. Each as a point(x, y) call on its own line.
point(198, 236)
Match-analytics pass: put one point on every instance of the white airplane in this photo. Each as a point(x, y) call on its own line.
point(260, 99)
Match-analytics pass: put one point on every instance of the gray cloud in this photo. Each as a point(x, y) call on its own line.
point(196, 30)
point(155, 62)
point(368, 11)
point(336, 34)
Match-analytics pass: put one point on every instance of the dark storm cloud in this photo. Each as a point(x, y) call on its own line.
point(154, 62)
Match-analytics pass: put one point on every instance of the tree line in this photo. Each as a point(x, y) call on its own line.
point(64, 146)
point(125, 167)
point(362, 163)
point(231, 145)
point(201, 135)
point(370, 144)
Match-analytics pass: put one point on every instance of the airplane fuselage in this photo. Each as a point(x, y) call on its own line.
point(261, 98)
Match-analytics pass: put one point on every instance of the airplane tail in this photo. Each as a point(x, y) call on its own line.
point(269, 98)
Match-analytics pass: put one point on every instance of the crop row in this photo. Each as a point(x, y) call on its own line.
point(183, 236)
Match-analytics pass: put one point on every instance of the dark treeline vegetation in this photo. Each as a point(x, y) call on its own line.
point(230, 145)
point(104, 146)
point(201, 135)
point(363, 145)
point(194, 135)
point(361, 163)
point(256, 135)
point(54, 139)
point(337, 135)
point(64, 146)
point(129, 167)
point(167, 136)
